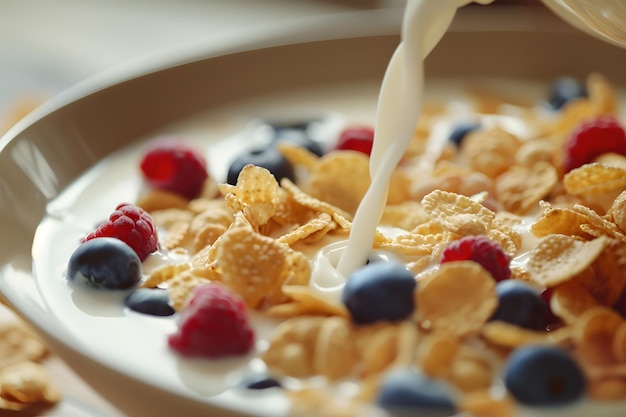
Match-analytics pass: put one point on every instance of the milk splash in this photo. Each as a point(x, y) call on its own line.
point(399, 104)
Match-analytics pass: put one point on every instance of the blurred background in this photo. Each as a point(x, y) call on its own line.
point(49, 45)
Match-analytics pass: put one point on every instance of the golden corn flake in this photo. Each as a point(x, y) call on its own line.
point(521, 188)
point(156, 200)
point(181, 287)
point(407, 215)
point(163, 274)
point(490, 151)
point(340, 216)
point(25, 384)
point(485, 404)
point(257, 192)
point(320, 223)
point(600, 223)
point(593, 179)
point(18, 344)
point(619, 343)
point(341, 178)
point(311, 302)
point(436, 354)
point(458, 213)
point(383, 345)
point(558, 258)
point(413, 244)
point(556, 220)
point(299, 156)
point(617, 212)
point(601, 94)
point(457, 299)
point(335, 354)
point(608, 283)
point(510, 336)
point(607, 389)
point(471, 370)
point(570, 300)
point(593, 333)
point(292, 345)
point(249, 263)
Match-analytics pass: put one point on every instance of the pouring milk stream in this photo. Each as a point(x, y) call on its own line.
point(399, 104)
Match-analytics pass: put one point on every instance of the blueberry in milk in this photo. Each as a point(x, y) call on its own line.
point(298, 135)
point(521, 304)
point(105, 262)
point(460, 131)
point(152, 301)
point(565, 89)
point(411, 393)
point(269, 158)
point(544, 376)
point(379, 291)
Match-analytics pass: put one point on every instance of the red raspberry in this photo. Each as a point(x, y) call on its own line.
point(214, 324)
point(482, 250)
point(174, 166)
point(358, 139)
point(132, 225)
point(593, 138)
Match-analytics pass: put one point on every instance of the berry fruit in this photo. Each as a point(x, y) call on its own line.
point(176, 167)
point(480, 249)
point(358, 139)
point(565, 89)
point(260, 382)
point(214, 324)
point(543, 376)
point(461, 131)
point(269, 158)
point(520, 304)
point(105, 263)
point(379, 291)
point(155, 302)
point(593, 138)
point(132, 225)
point(411, 392)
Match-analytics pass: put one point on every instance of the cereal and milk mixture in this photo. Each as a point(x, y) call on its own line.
point(495, 283)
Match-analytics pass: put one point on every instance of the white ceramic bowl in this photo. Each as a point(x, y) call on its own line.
point(57, 143)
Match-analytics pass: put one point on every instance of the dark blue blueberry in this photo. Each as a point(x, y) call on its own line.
point(411, 393)
point(565, 89)
point(269, 158)
point(261, 382)
point(298, 137)
point(379, 291)
point(544, 376)
point(520, 304)
point(152, 301)
point(461, 130)
point(105, 263)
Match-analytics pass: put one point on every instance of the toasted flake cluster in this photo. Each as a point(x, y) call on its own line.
point(566, 232)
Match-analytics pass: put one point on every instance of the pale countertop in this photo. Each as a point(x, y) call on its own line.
point(48, 45)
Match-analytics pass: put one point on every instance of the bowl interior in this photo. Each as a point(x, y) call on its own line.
point(46, 153)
